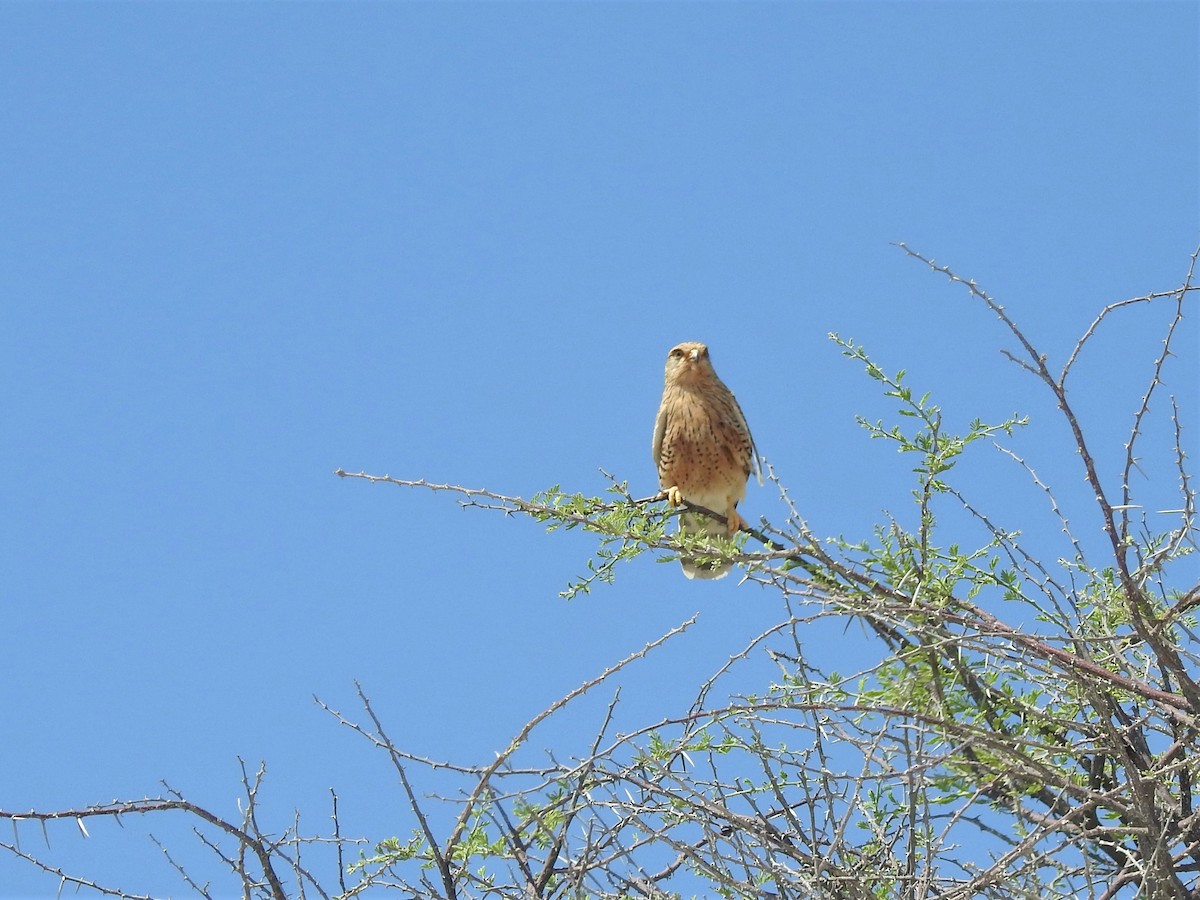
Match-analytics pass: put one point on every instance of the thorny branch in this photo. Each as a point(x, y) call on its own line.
point(262, 850)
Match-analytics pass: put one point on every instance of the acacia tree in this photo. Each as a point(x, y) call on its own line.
point(974, 755)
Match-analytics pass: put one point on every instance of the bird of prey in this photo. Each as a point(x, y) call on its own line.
point(703, 450)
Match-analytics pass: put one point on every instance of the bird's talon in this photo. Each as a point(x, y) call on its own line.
point(674, 496)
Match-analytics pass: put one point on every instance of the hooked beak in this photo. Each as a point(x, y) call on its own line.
point(694, 355)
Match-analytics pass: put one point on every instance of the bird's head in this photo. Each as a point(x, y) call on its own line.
point(688, 362)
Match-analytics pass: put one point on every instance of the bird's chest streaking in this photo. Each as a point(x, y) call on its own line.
point(703, 450)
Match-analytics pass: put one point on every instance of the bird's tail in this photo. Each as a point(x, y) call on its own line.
point(698, 524)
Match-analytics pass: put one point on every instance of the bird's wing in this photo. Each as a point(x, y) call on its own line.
point(660, 429)
point(756, 466)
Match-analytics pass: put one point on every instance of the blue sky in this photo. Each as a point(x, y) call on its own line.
point(247, 244)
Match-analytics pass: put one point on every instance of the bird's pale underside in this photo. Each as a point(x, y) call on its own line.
point(703, 450)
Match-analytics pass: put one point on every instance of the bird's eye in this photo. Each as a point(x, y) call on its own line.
point(676, 353)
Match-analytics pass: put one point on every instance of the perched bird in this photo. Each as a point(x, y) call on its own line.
point(703, 450)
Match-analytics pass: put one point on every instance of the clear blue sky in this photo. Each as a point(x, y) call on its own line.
point(247, 244)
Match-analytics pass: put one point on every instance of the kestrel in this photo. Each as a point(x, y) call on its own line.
point(703, 450)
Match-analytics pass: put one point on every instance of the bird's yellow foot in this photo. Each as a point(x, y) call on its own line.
point(674, 496)
point(735, 521)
